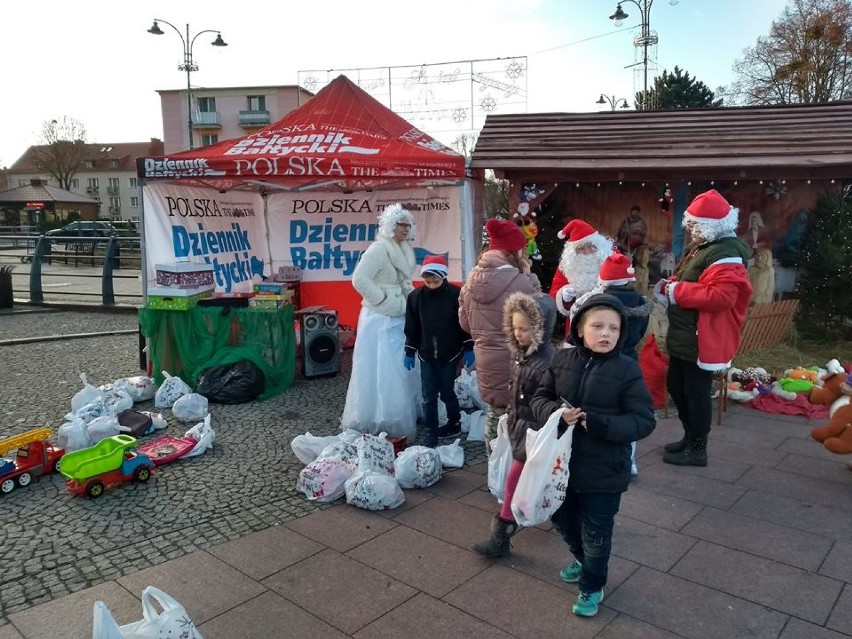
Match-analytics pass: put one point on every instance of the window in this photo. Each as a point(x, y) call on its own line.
point(23, 182)
point(90, 164)
point(207, 140)
point(113, 164)
point(75, 183)
point(93, 183)
point(115, 203)
point(207, 105)
point(257, 103)
point(134, 201)
point(133, 182)
point(113, 183)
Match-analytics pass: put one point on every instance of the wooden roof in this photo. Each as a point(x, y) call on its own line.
point(811, 140)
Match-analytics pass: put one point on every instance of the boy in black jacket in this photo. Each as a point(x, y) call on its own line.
point(609, 407)
point(432, 332)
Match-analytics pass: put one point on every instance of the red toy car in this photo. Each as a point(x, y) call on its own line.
point(35, 457)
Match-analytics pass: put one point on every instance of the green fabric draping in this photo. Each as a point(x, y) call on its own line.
point(184, 343)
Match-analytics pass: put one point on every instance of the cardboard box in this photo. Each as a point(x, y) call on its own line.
point(184, 274)
point(169, 298)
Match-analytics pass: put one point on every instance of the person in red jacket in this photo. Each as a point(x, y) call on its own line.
point(706, 299)
point(585, 252)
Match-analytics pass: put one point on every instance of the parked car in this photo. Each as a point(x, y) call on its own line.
point(83, 228)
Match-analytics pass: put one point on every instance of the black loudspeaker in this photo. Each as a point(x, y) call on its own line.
point(320, 343)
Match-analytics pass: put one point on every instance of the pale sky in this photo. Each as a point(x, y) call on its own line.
point(94, 61)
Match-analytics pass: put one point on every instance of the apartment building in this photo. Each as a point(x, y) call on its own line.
point(107, 173)
point(223, 113)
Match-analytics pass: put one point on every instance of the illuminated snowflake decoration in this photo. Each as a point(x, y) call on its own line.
point(515, 70)
point(459, 115)
point(488, 104)
point(310, 83)
point(776, 189)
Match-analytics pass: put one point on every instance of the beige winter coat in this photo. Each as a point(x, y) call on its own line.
point(481, 303)
point(383, 276)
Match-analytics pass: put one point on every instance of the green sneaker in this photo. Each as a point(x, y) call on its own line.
point(587, 603)
point(570, 574)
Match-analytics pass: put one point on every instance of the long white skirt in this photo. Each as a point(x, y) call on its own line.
point(382, 395)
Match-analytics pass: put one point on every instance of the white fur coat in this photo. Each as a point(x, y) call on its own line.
point(383, 276)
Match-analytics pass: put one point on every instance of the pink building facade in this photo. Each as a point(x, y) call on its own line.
point(223, 113)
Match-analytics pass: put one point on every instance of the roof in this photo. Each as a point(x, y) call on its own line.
point(100, 153)
point(341, 138)
point(809, 140)
point(275, 87)
point(43, 193)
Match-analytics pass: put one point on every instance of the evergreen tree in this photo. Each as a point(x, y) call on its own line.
point(677, 90)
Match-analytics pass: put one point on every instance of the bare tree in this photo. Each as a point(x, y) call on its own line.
point(805, 58)
point(496, 196)
point(62, 150)
point(463, 145)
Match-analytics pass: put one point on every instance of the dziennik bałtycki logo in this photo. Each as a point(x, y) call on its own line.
point(230, 253)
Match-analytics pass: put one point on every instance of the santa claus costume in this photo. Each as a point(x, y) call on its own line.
point(382, 394)
point(582, 257)
point(706, 299)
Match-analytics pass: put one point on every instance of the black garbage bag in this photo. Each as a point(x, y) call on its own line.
point(235, 383)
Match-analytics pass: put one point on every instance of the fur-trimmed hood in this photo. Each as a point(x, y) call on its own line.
point(540, 311)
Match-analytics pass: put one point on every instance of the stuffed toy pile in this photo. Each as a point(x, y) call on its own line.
point(836, 391)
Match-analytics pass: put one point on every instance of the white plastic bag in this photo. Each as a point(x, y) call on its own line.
point(72, 435)
point(467, 390)
point(191, 407)
point(417, 467)
point(88, 394)
point(375, 452)
point(157, 420)
point(103, 427)
point(203, 435)
point(341, 451)
point(324, 480)
point(307, 447)
point(103, 625)
point(117, 400)
point(452, 455)
point(94, 409)
point(476, 426)
point(140, 388)
point(544, 480)
point(173, 621)
point(171, 390)
point(500, 459)
point(373, 491)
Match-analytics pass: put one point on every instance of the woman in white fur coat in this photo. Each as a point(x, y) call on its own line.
point(382, 394)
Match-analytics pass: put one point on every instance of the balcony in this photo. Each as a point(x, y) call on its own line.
point(249, 119)
point(112, 190)
point(206, 120)
point(92, 190)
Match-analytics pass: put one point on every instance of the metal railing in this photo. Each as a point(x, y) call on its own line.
point(118, 254)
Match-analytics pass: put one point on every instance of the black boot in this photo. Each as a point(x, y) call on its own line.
point(676, 447)
point(497, 545)
point(693, 454)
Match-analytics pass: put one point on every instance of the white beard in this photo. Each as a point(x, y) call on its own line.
point(581, 270)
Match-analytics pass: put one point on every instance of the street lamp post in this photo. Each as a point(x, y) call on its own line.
point(614, 102)
point(188, 64)
point(645, 39)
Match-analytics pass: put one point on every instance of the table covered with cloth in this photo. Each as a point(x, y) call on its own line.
point(185, 343)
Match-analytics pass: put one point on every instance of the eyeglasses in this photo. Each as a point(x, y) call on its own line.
point(404, 225)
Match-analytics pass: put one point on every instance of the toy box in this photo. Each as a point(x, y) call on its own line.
point(288, 274)
point(230, 300)
point(270, 302)
point(168, 298)
point(184, 274)
point(269, 288)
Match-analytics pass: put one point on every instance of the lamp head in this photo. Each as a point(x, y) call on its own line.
point(626, 105)
point(600, 100)
point(219, 42)
point(619, 16)
point(155, 29)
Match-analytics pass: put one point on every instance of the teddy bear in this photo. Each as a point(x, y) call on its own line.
point(529, 228)
point(836, 435)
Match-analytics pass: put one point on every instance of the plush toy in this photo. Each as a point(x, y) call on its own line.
point(751, 374)
point(836, 435)
point(529, 228)
point(799, 380)
point(665, 201)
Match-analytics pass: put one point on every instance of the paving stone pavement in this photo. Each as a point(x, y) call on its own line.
point(755, 545)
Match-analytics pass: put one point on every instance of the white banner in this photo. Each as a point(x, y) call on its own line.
point(191, 224)
point(325, 233)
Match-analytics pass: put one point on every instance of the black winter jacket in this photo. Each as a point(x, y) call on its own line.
point(528, 364)
point(610, 390)
point(638, 310)
point(432, 328)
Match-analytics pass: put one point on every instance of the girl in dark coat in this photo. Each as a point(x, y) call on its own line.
point(528, 324)
point(610, 407)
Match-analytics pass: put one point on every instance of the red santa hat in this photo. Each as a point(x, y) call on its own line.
point(504, 236)
point(576, 230)
point(434, 265)
point(617, 270)
point(712, 214)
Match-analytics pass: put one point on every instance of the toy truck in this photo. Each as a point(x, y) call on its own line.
point(110, 462)
point(35, 457)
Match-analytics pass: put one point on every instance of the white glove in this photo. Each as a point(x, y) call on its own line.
point(568, 294)
point(660, 293)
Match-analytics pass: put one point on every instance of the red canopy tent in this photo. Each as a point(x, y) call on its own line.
point(343, 136)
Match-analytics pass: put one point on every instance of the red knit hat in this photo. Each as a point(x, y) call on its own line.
point(576, 230)
point(709, 205)
point(616, 270)
point(434, 265)
point(504, 236)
